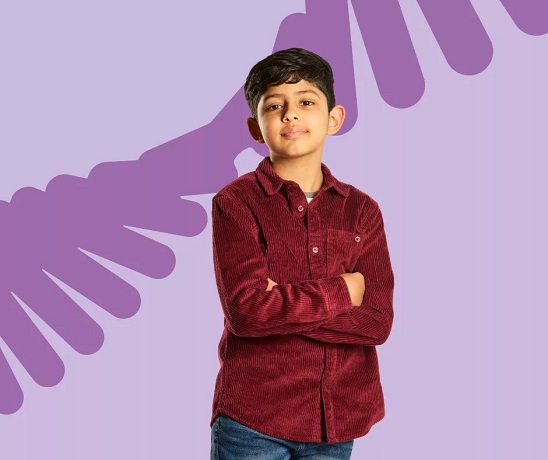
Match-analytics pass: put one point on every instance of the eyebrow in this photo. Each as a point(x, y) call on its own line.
point(298, 93)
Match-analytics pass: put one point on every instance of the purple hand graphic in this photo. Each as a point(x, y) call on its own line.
point(46, 232)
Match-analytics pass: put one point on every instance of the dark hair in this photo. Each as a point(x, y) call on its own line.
point(289, 66)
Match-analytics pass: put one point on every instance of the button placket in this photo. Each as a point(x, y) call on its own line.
point(316, 243)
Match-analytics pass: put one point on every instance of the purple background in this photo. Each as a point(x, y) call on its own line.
point(459, 177)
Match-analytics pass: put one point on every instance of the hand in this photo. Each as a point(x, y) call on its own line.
point(44, 233)
point(271, 284)
point(355, 283)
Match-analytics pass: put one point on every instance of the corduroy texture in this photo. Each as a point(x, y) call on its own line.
point(299, 362)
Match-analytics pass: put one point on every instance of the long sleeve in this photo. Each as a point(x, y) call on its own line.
point(281, 350)
point(241, 273)
point(371, 322)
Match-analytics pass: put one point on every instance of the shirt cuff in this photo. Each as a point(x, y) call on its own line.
point(336, 294)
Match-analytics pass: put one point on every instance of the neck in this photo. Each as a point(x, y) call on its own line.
point(306, 172)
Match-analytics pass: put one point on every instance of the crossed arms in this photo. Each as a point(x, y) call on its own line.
point(336, 309)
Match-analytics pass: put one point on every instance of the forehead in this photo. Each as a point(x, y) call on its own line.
point(292, 89)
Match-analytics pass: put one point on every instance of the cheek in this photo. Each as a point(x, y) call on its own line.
point(320, 121)
point(268, 129)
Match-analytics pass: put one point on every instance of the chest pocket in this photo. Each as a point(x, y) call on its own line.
point(343, 250)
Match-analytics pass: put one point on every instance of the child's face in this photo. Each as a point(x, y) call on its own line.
point(293, 120)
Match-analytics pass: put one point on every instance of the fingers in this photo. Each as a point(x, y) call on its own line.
point(28, 344)
point(529, 15)
point(11, 396)
point(61, 313)
point(356, 287)
point(460, 35)
point(390, 50)
point(271, 284)
point(97, 283)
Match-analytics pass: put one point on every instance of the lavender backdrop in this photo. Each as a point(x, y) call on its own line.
point(458, 175)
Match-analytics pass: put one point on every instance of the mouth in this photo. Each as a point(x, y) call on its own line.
point(293, 133)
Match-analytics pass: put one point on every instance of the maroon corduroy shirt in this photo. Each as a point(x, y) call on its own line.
point(299, 362)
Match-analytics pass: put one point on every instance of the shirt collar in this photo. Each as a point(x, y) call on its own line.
point(271, 182)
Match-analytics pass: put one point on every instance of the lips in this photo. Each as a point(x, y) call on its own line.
point(293, 133)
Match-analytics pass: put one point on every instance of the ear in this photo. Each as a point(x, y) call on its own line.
point(336, 118)
point(254, 130)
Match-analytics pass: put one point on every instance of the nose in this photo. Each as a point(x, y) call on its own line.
point(290, 114)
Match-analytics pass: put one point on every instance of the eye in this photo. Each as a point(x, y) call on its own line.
point(275, 107)
point(307, 103)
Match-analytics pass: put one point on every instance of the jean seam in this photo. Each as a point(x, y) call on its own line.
point(216, 454)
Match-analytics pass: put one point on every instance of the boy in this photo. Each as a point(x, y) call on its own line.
point(304, 279)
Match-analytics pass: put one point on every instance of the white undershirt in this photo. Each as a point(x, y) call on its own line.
point(310, 195)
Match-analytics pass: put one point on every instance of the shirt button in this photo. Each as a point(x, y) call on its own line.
point(300, 209)
point(315, 250)
point(357, 239)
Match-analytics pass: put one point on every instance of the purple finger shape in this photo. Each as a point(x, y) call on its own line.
point(61, 231)
point(11, 395)
point(28, 344)
point(460, 34)
point(531, 16)
point(390, 50)
point(95, 282)
point(62, 314)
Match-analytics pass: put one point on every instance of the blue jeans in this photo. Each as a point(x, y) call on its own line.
point(231, 440)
